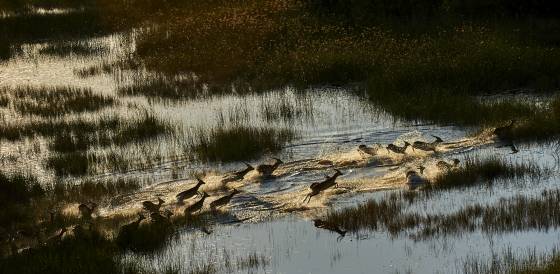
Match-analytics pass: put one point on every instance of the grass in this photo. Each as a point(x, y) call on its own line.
point(239, 143)
point(508, 215)
point(519, 213)
point(425, 65)
point(73, 49)
point(56, 101)
point(161, 87)
point(70, 164)
point(94, 190)
point(16, 193)
point(474, 171)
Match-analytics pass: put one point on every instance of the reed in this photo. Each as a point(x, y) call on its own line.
point(239, 143)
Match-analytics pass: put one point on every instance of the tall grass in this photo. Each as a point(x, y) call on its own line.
point(73, 49)
point(475, 171)
point(239, 142)
point(518, 213)
point(16, 193)
point(55, 101)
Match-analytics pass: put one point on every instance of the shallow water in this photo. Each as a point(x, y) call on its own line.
point(330, 124)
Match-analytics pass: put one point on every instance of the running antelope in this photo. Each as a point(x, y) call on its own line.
point(397, 149)
point(238, 175)
point(414, 179)
point(317, 188)
point(223, 200)
point(427, 146)
point(196, 206)
point(151, 207)
point(363, 149)
point(86, 210)
point(156, 217)
point(126, 231)
point(266, 170)
point(191, 192)
point(504, 131)
point(447, 166)
point(56, 238)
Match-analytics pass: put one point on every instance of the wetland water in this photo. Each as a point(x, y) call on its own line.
point(329, 124)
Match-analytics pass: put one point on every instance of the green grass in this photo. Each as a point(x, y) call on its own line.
point(239, 143)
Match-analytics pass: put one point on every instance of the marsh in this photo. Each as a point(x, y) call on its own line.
point(109, 106)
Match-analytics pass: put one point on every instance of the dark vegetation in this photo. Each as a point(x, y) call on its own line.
point(239, 143)
point(475, 171)
point(73, 48)
point(518, 213)
point(55, 101)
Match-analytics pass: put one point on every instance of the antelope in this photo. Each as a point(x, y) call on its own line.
point(427, 146)
point(316, 188)
point(236, 176)
point(56, 238)
point(504, 131)
point(413, 179)
point(397, 149)
point(86, 210)
point(126, 231)
point(266, 170)
point(447, 166)
point(510, 145)
point(151, 207)
point(223, 200)
point(156, 217)
point(196, 206)
point(191, 192)
point(363, 149)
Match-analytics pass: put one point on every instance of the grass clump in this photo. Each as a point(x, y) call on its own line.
point(161, 87)
point(16, 193)
point(56, 101)
point(475, 171)
point(512, 214)
point(94, 190)
point(70, 164)
point(239, 143)
point(76, 49)
point(86, 254)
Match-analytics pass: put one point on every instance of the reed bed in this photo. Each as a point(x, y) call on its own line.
point(55, 101)
point(508, 215)
point(73, 49)
point(476, 171)
point(239, 143)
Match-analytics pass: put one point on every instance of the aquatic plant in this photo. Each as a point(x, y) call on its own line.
point(239, 142)
point(73, 48)
point(56, 101)
point(476, 171)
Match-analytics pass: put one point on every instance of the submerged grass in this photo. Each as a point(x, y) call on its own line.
point(239, 143)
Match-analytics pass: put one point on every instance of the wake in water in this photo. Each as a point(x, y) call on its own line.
point(286, 188)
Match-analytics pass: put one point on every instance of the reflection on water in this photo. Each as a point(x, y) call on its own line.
point(330, 123)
